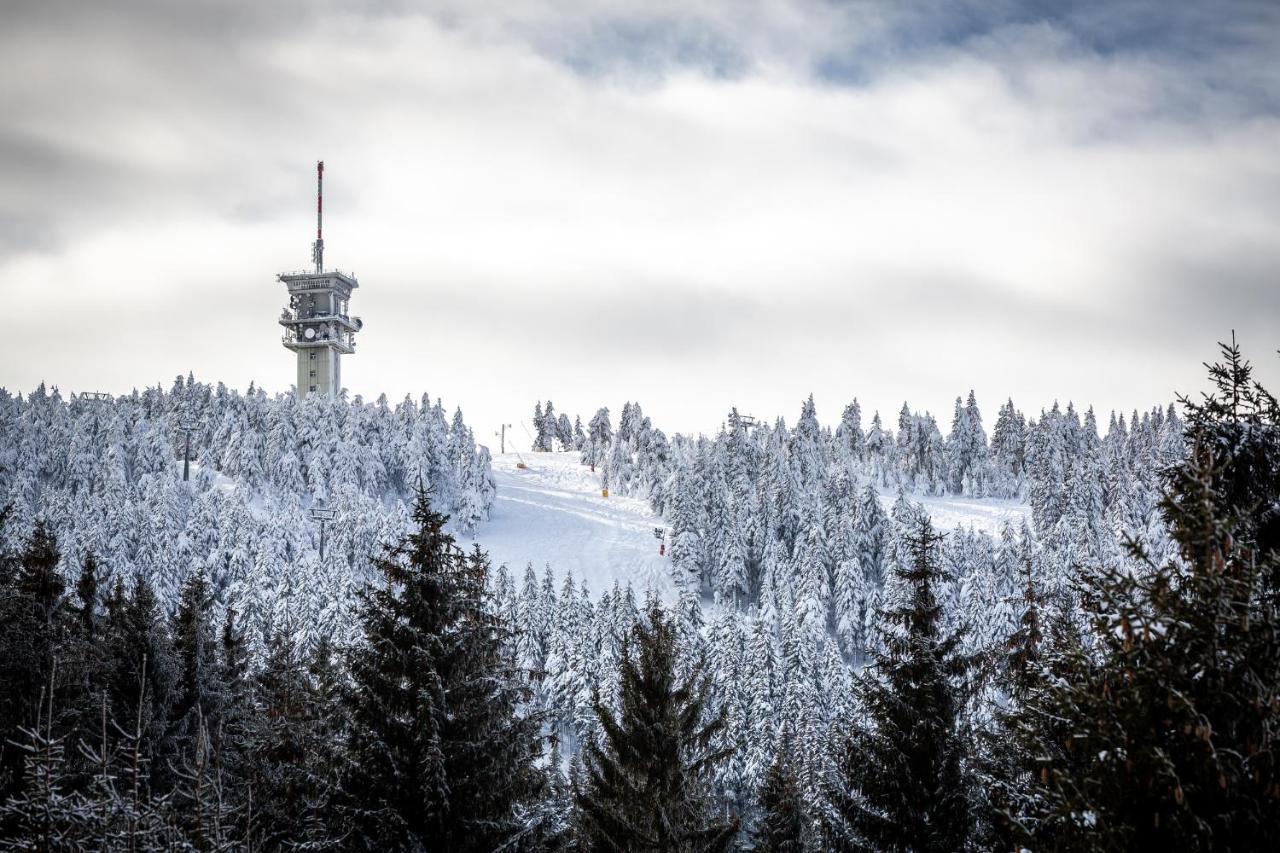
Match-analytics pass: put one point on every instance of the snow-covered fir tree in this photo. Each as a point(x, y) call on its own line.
point(213, 609)
point(108, 474)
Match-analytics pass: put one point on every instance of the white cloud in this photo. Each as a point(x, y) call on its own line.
point(1015, 214)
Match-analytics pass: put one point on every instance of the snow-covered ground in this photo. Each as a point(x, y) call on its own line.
point(552, 512)
point(948, 513)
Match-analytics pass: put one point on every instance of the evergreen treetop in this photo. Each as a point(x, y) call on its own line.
point(437, 755)
point(903, 782)
point(1172, 716)
point(647, 780)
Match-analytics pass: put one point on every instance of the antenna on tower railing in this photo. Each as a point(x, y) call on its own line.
point(317, 249)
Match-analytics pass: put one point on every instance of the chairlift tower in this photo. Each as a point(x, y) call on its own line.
point(323, 515)
point(317, 325)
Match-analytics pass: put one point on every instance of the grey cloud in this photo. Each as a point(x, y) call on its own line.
point(1193, 296)
point(90, 85)
point(658, 320)
point(672, 322)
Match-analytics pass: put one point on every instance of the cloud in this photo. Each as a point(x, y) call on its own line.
point(698, 205)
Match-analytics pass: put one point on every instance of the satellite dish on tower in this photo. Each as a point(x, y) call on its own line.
point(310, 333)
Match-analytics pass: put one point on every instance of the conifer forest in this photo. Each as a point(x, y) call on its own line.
point(853, 426)
point(182, 669)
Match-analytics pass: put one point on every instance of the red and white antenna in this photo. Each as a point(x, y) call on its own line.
point(317, 249)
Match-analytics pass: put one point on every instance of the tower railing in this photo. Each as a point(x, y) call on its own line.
point(313, 274)
point(287, 316)
point(345, 342)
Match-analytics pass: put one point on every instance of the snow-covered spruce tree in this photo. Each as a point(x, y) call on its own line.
point(880, 446)
point(966, 450)
point(549, 429)
point(539, 427)
point(1023, 668)
point(437, 757)
point(116, 810)
point(646, 784)
point(1173, 739)
point(599, 437)
point(902, 783)
point(849, 436)
point(1009, 452)
point(564, 432)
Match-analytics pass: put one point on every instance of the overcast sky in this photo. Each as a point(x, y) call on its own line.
point(692, 204)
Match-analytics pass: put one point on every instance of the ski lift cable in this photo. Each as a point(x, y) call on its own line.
point(520, 458)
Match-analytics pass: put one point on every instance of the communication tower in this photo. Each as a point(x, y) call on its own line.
point(317, 326)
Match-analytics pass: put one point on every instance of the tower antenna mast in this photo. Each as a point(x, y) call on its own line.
point(317, 250)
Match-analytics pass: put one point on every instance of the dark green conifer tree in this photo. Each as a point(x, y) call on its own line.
point(233, 670)
point(289, 778)
point(780, 828)
point(139, 675)
point(438, 757)
point(1032, 664)
point(1174, 714)
point(324, 669)
point(33, 622)
point(1239, 425)
point(87, 592)
point(83, 660)
point(8, 560)
point(199, 695)
point(903, 783)
point(646, 786)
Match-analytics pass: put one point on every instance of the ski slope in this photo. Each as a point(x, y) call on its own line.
point(987, 515)
point(552, 513)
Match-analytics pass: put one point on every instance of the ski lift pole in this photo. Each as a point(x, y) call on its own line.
point(187, 429)
point(520, 459)
point(323, 516)
point(502, 436)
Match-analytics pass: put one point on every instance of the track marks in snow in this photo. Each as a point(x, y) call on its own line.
point(552, 513)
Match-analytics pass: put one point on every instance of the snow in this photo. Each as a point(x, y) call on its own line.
point(217, 479)
point(552, 513)
point(987, 515)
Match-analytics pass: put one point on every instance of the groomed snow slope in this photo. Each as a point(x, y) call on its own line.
point(986, 515)
point(552, 513)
